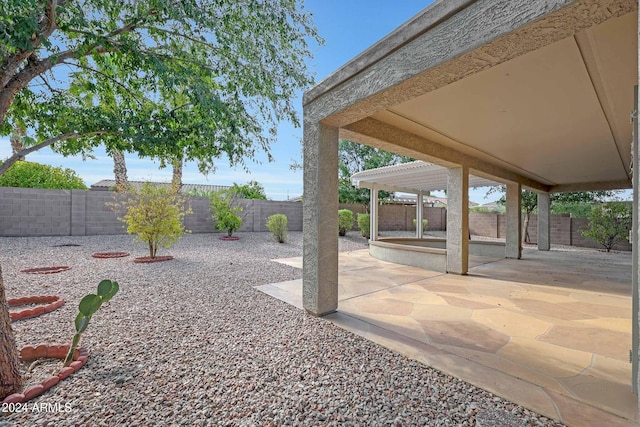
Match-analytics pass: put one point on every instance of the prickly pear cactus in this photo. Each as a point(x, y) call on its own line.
point(87, 308)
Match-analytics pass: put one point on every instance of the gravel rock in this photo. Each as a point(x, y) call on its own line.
point(190, 342)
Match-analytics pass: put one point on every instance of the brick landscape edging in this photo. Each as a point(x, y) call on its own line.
point(52, 302)
point(54, 351)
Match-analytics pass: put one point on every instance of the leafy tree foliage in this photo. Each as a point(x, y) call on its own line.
point(609, 223)
point(154, 213)
point(162, 79)
point(354, 157)
point(577, 201)
point(35, 175)
point(250, 190)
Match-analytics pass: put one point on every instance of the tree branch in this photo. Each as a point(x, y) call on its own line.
point(22, 153)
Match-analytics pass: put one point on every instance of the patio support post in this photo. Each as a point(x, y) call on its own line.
point(373, 217)
point(544, 221)
point(419, 211)
point(320, 221)
point(635, 254)
point(513, 247)
point(458, 220)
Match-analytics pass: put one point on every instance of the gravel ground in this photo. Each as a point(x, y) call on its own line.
point(190, 342)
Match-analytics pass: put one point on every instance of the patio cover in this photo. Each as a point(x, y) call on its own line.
point(411, 177)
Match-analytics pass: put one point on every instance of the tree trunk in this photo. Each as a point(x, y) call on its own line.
point(10, 378)
point(176, 179)
point(525, 231)
point(16, 141)
point(120, 171)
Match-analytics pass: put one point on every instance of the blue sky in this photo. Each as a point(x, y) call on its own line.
point(348, 27)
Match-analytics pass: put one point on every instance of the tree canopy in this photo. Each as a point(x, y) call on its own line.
point(250, 190)
point(163, 79)
point(354, 157)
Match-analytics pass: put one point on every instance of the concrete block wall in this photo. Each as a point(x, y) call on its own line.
point(400, 217)
point(483, 224)
point(35, 212)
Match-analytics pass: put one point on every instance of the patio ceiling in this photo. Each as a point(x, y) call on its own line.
point(411, 177)
point(532, 92)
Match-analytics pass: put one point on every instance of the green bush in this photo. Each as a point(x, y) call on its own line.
point(225, 210)
point(364, 225)
point(425, 222)
point(345, 221)
point(277, 225)
point(609, 224)
point(35, 175)
point(154, 214)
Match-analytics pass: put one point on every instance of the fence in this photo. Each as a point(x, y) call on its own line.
point(38, 212)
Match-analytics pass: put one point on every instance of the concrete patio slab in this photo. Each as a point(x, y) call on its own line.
point(551, 332)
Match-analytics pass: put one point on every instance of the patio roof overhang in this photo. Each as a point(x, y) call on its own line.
point(538, 93)
point(412, 177)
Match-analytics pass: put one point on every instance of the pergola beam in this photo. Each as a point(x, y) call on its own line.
point(382, 135)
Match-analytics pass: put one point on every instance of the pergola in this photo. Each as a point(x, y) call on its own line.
point(527, 93)
point(416, 177)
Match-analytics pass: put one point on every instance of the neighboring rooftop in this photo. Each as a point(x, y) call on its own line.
point(109, 184)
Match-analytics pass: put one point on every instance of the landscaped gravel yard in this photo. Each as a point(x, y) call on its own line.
point(190, 342)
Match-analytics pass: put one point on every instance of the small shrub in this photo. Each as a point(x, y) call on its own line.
point(87, 308)
point(345, 221)
point(364, 225)
point(277, 225)
point(609, 224)
point(425, 222)
point(154, 213)
point(225, 211)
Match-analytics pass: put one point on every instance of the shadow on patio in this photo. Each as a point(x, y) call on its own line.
point(551, 332)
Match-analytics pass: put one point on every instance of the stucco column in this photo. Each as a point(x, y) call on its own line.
point(513, 247)
point(419, 211)
point(544, 221)
point(458, 220)
point(373, 216)
point(320, 221)
point(635, 254)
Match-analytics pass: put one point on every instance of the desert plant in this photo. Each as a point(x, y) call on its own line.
point(154, 213)
point(425, 222)
point(87, 308)
point(609, 224)
point(225, 211)
point(364, 225)
point(345, 221)
point(277, 225)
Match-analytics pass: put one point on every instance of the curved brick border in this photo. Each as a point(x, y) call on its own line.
point(46, 270)
point(109, 254)
point(232, 238)
point(50, 303)
point(148, 259)
point(55, 351)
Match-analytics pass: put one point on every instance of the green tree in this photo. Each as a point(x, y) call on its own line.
point(237, 63)
point(154, 214)
point(35, 175)
point(529, 202)
point(250, 190)
point(207, 79)
point(225, 211)
point(345, 221)
point(354, 157)
point(609, 223)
